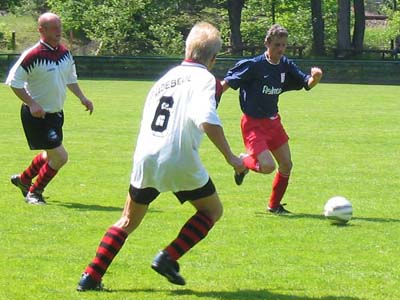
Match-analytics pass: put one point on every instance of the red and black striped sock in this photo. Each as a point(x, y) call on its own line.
point(195, 229)
point(109, 247)
point(46, 174)
point(34, 168)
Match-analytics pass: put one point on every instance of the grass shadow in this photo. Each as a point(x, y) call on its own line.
point(262, 294)
point(252, 295)
point(322, 217)
point(94, 207)
point(81, 206)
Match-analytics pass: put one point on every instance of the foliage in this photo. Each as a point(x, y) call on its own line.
point(121, 26)
point(255, 21)
point(3, 33)
point(25, 29)
point(164, 24)
point(5, 37)
point(381, 36)
point(8, 4)
point(293, 15)
point(377, 37)
point(133, 26)
point(330, 20)
point(72, 13)
point(394, 25)
point(29, 7)
point(393, 28)
point(389, 4)
point(157, 27)
point(165, 35)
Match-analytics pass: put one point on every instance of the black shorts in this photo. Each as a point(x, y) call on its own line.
point(42, 133)
point(147, 195)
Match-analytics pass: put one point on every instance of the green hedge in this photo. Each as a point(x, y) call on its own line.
point(335, 71)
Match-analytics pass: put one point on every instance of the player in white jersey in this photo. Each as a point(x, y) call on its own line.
point(40, 79)
point(179, 109)
point(175, 109)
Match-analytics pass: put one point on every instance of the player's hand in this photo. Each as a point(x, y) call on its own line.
point(237, 164)
point(36, 110)
point(88, 104)
point(316, 73)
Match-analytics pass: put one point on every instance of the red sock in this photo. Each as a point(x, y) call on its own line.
point(46, 174)
point(109, 247)
point(250, 162)
point(279, 186)
point(34, 168)
point(195, 229)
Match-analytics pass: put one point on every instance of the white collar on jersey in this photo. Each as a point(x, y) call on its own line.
point(48, 46)
point(192, 63)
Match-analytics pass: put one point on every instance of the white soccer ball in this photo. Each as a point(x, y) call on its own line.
point(338, 210)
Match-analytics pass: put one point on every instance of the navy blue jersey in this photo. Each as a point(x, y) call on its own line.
point(261, 83)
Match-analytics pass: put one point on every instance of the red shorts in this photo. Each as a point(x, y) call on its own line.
point(262, 134)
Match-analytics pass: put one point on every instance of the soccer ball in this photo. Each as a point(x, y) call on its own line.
point(338, 210)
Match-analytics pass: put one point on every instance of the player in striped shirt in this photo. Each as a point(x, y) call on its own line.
point(260, 81)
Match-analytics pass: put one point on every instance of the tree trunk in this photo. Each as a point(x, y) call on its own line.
point(359, 25)
point(235, 16)
point(318, 47)
point(343, 26)
point(273, 11)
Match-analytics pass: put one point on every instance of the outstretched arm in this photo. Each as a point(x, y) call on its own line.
point(225, 85)
point(216, 134)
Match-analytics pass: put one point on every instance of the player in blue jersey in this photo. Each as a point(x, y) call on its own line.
point(260, 81)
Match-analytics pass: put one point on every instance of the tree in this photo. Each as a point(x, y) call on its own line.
point(318, 47)
point(130, 27)
point(142, 27)
point(359, 25)
point(235, 17)
point(343, 25)
point(29, 7)
point(8, 4)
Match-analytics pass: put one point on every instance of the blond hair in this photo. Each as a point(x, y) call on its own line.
point(203, 43)
point(276, 30)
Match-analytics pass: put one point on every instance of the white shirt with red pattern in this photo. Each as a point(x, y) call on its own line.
point(44, 72)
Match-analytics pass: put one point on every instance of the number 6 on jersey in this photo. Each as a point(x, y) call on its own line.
point(161, 117)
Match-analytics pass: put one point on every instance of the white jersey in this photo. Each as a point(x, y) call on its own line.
point(44, 72)
point(166, 155)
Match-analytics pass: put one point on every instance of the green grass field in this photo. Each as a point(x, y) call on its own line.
point(344, 140)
